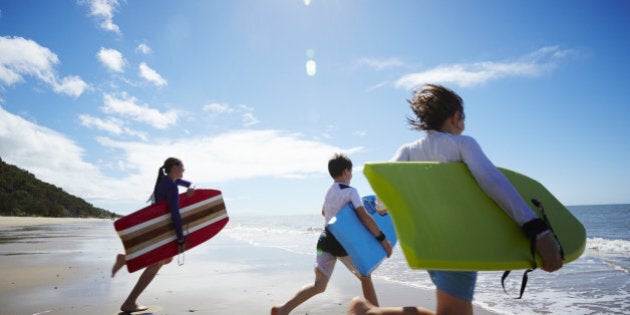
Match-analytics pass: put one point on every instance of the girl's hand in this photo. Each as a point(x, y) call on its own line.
point(190, 191)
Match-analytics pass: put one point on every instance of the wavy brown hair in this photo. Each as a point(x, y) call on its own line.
point(432, 106)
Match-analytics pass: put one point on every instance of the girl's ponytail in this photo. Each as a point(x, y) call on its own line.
point(163, 172)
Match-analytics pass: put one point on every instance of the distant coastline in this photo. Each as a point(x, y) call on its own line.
point(22, 194)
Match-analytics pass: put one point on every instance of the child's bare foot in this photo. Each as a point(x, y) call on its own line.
point(120, 262)
point(276, 310)
point(358, 306)
point(133, 308)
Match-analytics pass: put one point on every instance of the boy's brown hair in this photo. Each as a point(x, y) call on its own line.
point(337, 164)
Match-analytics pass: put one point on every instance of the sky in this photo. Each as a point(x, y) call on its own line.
point(256, 96)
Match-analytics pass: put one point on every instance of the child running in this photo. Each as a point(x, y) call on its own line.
point(329, 250)
point(440, 112)
point(168, 178)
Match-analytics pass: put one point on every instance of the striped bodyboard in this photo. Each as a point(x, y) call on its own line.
point(148, 234)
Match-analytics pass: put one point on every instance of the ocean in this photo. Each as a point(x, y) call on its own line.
point(596, 283)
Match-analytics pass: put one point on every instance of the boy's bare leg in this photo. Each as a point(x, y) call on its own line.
point(360, 307)
point(303, 295)
point(368, 290)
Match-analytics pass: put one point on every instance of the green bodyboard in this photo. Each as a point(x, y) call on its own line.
point(445, 221)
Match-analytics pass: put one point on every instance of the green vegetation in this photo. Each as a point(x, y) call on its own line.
point(21, 194)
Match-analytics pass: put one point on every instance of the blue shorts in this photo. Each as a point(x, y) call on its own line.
point(460, 284)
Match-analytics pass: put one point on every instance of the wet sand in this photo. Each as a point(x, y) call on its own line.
point(63, 266)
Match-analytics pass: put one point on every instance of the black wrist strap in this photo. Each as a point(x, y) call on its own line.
point(534, 227)
point(531, 230)
point(381, 237)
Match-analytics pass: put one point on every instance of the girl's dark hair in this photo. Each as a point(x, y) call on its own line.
point(432, 106)
point(337, 164)
point(164, 170)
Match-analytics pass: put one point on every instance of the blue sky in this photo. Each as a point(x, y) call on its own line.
point(255, 96)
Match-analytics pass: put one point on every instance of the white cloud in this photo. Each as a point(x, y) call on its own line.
point(111, 125)
point(478, 73)
point(104, 11)
point(112, 59)
point(70, 85)
point(380, 64)
point(249, 120)
point(235, 155)
point(359, 133)
point(150, 75)
point(128, 106)
point(377, 86)
point(21, 57)
point(217, 108)
point(247, 116)
point(144, 49)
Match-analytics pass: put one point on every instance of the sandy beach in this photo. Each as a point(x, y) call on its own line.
point(63, 266)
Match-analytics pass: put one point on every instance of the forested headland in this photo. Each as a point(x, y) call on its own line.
point(22, 194)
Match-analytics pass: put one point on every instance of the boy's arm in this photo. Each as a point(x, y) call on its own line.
point(369, 223)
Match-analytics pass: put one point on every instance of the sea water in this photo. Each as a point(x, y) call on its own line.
point(596, 283)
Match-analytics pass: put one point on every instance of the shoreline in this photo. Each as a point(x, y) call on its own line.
point(14, 221)
point(66, 269)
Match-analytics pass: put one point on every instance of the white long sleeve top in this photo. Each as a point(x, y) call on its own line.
point(445, 147)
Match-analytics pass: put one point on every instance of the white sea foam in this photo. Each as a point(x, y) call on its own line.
point(601, 246)
point(597, 282)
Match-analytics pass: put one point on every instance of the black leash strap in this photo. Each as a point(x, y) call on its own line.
point(531, 230)
point(532, 248)
point(523, 281)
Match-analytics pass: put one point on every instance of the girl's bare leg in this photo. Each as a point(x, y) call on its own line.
point(120, 262)
point(130, 305)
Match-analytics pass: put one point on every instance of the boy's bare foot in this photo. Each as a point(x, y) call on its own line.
point(133, 308)
point(120, 262)
point(359, 306)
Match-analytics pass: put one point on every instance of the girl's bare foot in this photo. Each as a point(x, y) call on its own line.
point(120, 262)
point(133, 308)
point(277, 311)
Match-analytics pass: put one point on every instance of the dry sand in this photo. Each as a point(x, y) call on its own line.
point(61, 266)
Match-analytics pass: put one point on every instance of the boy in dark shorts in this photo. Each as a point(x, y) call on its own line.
point(328, 248)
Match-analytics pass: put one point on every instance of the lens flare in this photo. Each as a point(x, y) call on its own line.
point(311, 67)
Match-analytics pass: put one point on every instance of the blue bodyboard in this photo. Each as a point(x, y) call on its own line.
point(364, 250)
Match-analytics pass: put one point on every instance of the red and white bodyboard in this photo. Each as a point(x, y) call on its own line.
point(148, 234)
